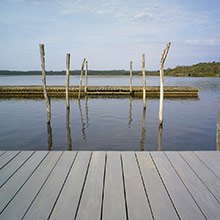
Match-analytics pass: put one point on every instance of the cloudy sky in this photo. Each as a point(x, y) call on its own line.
point(108, 33)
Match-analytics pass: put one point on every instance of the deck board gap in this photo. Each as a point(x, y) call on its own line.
point(83, 186)
point(103, 189)
point(9, 160)
point(41, 187)
point(123, 180)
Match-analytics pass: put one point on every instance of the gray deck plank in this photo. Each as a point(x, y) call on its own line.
point(90, 205)
point(2, 152)
point(137, 202)
point(210, 160)
point(114, 200)
point(20, 203)
point(161, 204)
point(8, 156)
point(67, 202)
point(13, 166)
point(44, 202)
point(208, 204)
point(184, 203)
point(8, 191)
point(208, 178)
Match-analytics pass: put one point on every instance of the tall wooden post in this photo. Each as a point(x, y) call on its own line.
point(42, 53)
point(218, 130)
point(160, 137)
point(86, 76)
point(130, 77)
point(144, 80)
point(67, 79)
point(81, 75)
point(163, 57)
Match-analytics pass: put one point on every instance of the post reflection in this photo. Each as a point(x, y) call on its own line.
point(130, 111)
point(160, 130)
point(87, 114)
point(82, 121)
point(69, 139)
point(143, 130)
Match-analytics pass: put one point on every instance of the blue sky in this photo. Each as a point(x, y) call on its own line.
point(108, 33)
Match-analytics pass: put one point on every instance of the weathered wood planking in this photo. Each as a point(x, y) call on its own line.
point(68, 200)
point(205, 200)
point(17, 208)
point(109, 185)
point(161, 204)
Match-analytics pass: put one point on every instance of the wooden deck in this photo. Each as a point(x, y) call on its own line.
point(60, 91)
point(109, 185)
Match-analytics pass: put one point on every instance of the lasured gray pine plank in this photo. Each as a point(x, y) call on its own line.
point(208, 204)
point(137, 202)
point(91, 201)
point(13, 166)
point(182, 200)
point(7, 157)
point(2, 152)
point(45, 200)
point(161, 204)
point(67, 203)
point(210, 159)
point(208, 178)
point(114, 200)
point(20, 203)
point(8, 191)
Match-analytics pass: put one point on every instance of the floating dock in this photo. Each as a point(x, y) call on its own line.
point(109, 185)
point(60, 91)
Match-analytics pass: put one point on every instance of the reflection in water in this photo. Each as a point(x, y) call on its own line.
point(143, 130)
point(218, 130)
point(130, 111)
point(160, 130)
point(87, 114)
point(49, 133)
point(83, 123)
point(69, 139)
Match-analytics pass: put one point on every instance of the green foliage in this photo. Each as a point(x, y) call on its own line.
point(197, 70)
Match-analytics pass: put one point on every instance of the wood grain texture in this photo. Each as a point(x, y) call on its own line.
point(9, 190)
point(90, 204)
point(137, 202)
point(20, 203)
point(207, 177)
point(13, 166)
point(45, 200)
point(114, 200)
point(7, 157)
point(161, 204)
point(208, 204)
point(68, 200)
point(183, 201)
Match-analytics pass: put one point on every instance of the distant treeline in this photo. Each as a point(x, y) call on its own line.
point(200, 69)
point(77, 72)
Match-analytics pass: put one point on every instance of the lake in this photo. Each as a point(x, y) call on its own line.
point(110, 123)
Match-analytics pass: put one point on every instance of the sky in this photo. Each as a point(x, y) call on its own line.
point(108, 33)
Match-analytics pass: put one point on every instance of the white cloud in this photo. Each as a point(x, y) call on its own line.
point(203, 42)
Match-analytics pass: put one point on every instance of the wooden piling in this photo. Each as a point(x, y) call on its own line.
point(144, 80)
point(86, 76)
point(163, 57)
point(81, 75)
point(67, 79)
point(42, 53)
point(130, 77)
point(160, 130)
point(218, 130)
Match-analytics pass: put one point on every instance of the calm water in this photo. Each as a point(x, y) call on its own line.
point(110, 124)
